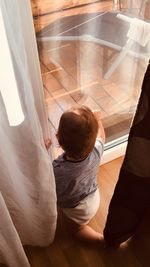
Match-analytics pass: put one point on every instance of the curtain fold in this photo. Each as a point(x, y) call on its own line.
point(11, 250)
point(27, 187)
point(131, 198)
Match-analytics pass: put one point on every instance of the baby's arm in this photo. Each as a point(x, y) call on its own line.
point(101, 132)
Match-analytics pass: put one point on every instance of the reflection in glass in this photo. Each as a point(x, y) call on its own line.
point(89, 58)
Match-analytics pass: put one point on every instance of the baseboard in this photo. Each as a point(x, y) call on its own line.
point(114, 152)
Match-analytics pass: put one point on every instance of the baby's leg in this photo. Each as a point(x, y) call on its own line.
point(83, 232)
point(86, 233)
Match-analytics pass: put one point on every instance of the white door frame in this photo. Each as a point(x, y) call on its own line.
point(114, 152)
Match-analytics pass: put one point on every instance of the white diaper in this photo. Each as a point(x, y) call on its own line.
point(85, 210)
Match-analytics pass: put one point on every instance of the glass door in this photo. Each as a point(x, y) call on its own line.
point(89, 56)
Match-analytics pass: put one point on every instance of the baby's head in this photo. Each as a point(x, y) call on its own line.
point(77, 132)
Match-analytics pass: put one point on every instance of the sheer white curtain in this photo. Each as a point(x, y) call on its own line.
point(27, 187)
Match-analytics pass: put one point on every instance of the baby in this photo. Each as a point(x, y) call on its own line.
point(81, 136)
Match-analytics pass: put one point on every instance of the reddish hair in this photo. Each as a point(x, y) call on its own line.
point(77, 132)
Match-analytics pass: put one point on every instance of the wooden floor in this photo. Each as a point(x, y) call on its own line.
point(66, 252)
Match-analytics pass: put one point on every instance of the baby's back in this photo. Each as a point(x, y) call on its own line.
point(76, 180)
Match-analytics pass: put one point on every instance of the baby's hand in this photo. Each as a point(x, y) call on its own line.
point(97, 114)
point(47, 143)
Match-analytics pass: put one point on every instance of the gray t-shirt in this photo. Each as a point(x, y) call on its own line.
point(76, 180)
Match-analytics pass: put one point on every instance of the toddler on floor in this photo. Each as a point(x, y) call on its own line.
point(81, 136)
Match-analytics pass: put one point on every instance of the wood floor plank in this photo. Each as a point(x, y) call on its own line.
point(96, 91)
point(109, 105)
point(67, 81)
point(43, 68)
point(51, 83)
point(47, 95)
point(116, 93)
point(64, 100)
point(54, 112)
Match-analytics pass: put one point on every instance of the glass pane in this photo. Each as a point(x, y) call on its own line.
point(91, 56)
